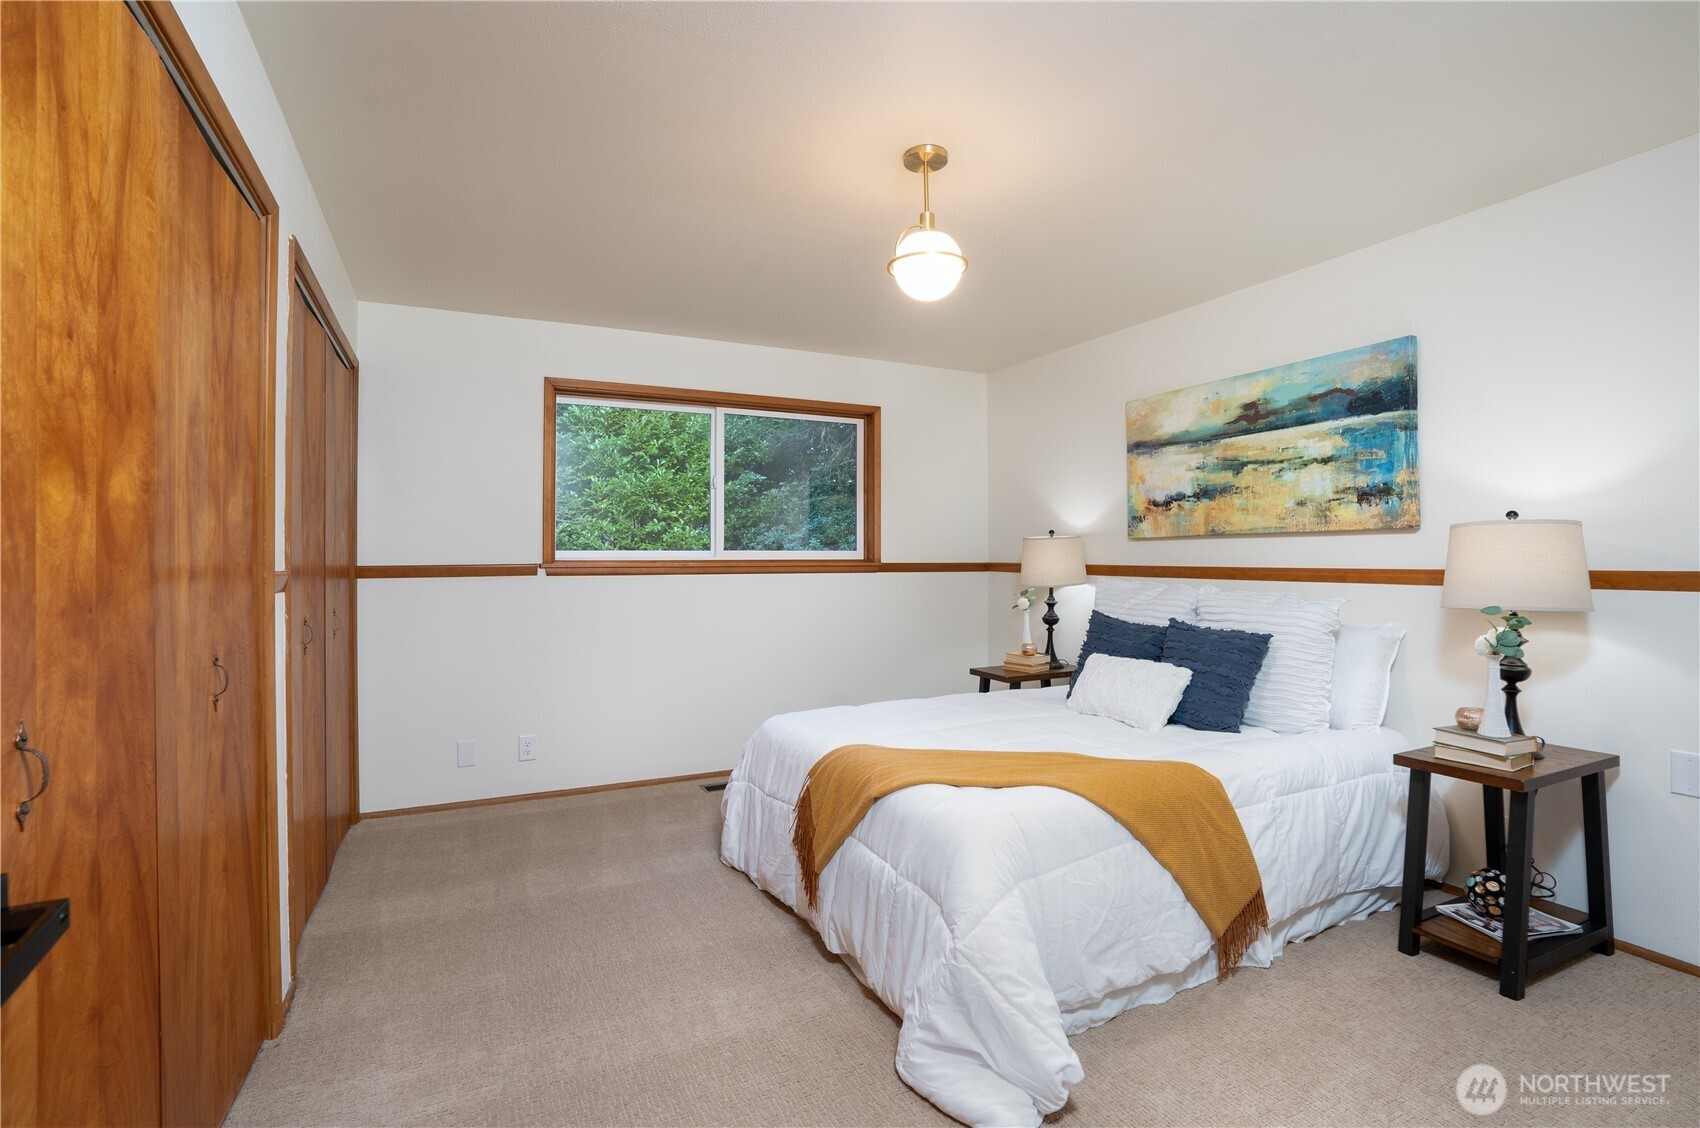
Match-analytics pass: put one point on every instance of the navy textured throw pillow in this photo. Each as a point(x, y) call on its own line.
point(1106, 634)
point(1224, 664)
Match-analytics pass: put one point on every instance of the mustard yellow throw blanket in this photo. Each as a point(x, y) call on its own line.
point(1179, 812)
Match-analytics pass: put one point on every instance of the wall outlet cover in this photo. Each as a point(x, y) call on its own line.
point(466, 753)
point(527, 748)
point(1685, 772)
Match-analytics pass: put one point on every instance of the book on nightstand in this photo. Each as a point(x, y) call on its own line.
point(1026, 663)
point(1483, 759)
point(1501, 746)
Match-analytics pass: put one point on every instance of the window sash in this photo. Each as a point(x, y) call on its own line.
point(717, 486)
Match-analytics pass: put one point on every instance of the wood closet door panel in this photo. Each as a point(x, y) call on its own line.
point(308, 857)
point(83, 100)
point(339, 600)
point(209, 780)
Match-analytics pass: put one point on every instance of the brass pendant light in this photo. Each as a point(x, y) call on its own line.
point(926, 262)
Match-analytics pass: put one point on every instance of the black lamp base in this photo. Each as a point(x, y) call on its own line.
point(1512, 673)
point(1050, 618)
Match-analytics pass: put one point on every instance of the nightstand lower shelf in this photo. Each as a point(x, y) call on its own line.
point(1543, 953)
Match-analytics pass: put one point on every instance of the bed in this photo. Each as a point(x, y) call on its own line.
point(997, 922)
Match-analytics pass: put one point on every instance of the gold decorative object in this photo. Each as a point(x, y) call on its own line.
point(1029, 649)
point(1470, 717)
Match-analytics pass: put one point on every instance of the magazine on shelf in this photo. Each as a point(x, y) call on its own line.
point(1541, 925)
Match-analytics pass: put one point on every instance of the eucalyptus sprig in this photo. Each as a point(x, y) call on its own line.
point(1507, 641)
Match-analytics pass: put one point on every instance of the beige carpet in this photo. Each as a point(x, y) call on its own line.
point(589, 961)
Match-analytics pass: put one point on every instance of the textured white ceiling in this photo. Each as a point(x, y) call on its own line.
point(732, 170)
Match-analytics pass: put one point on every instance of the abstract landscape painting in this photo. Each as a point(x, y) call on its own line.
point(1323, 445)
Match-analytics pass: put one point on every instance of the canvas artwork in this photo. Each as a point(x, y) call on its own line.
point(1323, 445)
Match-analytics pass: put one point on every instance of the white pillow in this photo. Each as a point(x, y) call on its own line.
point(1136, 601)
point(1291, 691)
point(1130, 690)
point(1363, 673)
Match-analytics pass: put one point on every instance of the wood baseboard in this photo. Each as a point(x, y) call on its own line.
point(1658, 957)
point(499, 799)
point(1635, 950)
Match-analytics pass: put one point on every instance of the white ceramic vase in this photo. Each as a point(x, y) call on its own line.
point(1493, 706)
point(1027, 627)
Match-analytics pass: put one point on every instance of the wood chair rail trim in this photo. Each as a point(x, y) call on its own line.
point(1602, 579)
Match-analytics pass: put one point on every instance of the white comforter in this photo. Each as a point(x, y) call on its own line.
point(997, 922)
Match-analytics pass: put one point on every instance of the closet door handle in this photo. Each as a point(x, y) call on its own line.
point(22, 743)
point(336, 622)
point(225, 670)
point(308, 629)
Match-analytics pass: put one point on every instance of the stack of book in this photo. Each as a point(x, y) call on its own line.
point(1018, 663)
point(1505, 754)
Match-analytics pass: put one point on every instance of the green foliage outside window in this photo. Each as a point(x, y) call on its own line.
point(639, 479)
point(629, 479)
point(790, 485)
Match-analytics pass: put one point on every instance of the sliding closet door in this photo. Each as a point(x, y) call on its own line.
point(132, 334)
point(210, 783)
point(339, 600)
point(322, 406)
point(83, 102)
point(309, 858)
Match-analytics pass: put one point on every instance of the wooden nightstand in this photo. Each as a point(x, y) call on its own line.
point(1510, 852)
point(990, 674)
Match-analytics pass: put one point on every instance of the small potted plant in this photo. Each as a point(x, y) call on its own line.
point(1024, 604)
point(1503, 648)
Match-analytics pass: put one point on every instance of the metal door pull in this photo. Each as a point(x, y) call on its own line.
point(22, 743)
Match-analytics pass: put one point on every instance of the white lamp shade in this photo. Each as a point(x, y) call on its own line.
point(1517, 565)
point(927, 264)
point(1052, 561)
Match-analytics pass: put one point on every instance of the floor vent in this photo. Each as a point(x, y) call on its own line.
point(721, 786)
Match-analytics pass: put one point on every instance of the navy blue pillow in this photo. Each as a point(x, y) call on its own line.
point(1223, 664)
point(1106, 634)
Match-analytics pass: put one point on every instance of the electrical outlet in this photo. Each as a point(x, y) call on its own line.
point(1685, 772)
point(466, 753)
point(527, 748)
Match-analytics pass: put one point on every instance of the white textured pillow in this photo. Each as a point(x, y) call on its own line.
point(1136, 601)
point(1291, 691)
point(1130, 690)
point(1363, 673)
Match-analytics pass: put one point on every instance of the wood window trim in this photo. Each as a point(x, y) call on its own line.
point(867, 415)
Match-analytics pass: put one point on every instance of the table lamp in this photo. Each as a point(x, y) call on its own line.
point(1052, 562)
point(1519, 566)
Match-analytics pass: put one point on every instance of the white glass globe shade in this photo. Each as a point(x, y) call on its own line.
point(928, 265)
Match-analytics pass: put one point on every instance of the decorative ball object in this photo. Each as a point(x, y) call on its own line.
point(1469, 717)
point(1032, 648)
point(1485, 890)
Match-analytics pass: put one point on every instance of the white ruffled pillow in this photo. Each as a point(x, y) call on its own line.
point(1363, 675)
point(1130, 690)
point(1137, 601)
point(1291, 692)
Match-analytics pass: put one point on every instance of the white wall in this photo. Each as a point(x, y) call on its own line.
point(221, 38)
point(1557, 368)
point(626, 677)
